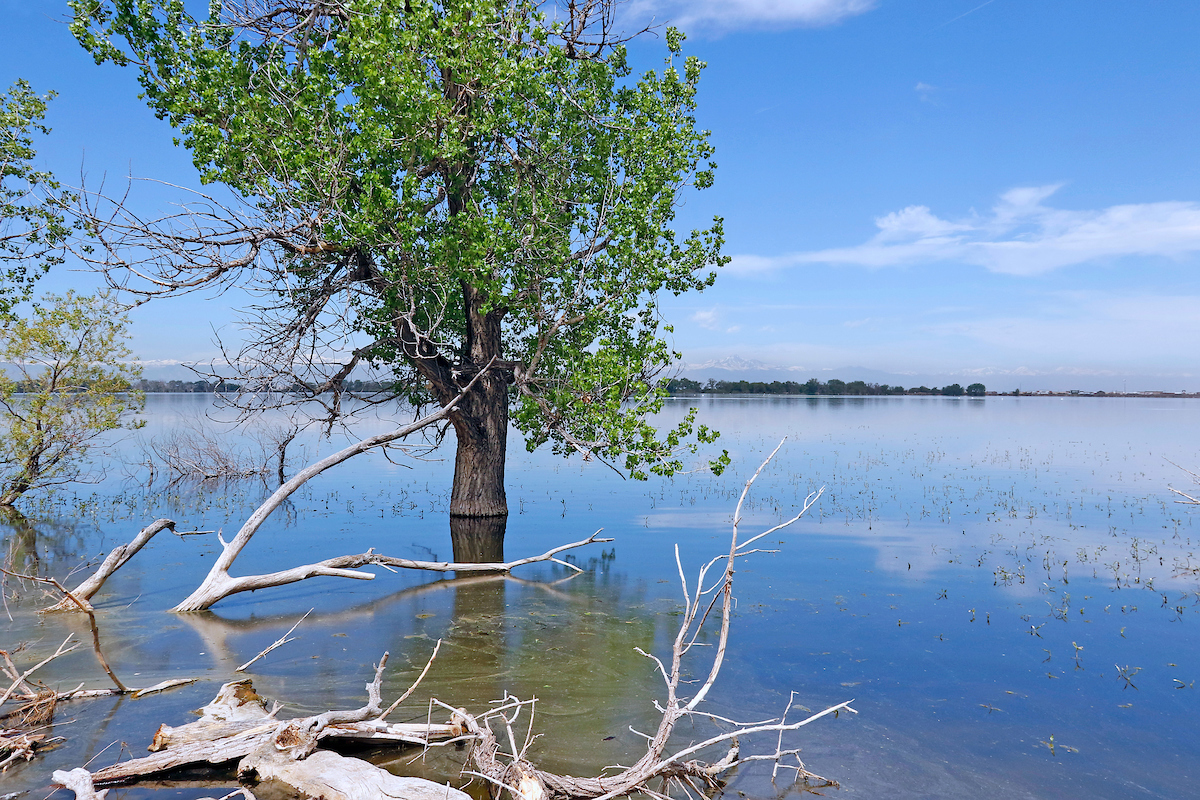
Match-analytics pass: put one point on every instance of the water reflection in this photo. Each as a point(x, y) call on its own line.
point(21, 543)
point(478, 540)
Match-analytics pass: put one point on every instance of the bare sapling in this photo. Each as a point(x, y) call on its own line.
point(497, 758)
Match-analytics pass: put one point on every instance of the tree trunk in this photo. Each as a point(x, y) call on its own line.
point(482, 431)
point(481, 422)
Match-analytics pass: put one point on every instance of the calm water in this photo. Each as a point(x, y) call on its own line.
point(979, 576)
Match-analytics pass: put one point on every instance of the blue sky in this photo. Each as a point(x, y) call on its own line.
point(1005, 189)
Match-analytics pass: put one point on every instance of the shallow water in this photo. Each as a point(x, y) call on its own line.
point(974, 576)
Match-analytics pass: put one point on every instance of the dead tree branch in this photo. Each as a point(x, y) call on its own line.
point(524, 781)
point(84, 592)
point(237, 726)
point(218, 584)
point(91, 614)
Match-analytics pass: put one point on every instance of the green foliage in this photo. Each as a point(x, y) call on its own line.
point(32, 223)
point(472, 163)
point(68, 383)
point(976, 390)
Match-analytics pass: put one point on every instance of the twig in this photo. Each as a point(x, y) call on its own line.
point(280, 642)
point(416, 683)
point(59, 652)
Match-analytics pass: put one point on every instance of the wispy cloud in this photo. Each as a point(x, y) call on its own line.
point(725, 15)
point(707, 318)
point(1020, 236)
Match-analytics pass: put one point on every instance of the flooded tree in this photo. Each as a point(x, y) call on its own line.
point(445, 191)
point(68, 385)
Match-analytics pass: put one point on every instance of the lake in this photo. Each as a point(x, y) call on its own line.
point(1005, 586)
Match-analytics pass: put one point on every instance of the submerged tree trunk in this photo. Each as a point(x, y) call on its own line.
point(478, 540)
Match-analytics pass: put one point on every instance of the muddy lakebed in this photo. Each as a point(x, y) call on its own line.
point(1004, 586)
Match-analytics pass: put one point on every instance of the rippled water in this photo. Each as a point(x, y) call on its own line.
point(1005, 586)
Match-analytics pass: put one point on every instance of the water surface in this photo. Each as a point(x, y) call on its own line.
point(1005, 586)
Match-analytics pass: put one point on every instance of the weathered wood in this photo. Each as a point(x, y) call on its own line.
point(79, 781)
point(370, 731)
point(237, 722)
point(511, 770)
point(330, 776)
point(86, 590)
point(235, 702)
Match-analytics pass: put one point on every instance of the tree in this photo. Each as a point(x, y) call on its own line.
point(976, 390)
point(435, 188)
point(32, 223)
point(953, 390)
point(69, 385)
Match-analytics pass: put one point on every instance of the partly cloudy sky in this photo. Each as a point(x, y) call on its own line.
point(721, 16)
point(1008, 188)
point(1019, 235)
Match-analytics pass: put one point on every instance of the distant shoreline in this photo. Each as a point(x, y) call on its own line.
point(1119, 395)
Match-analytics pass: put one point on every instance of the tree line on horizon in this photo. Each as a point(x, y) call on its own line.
point(683, 386)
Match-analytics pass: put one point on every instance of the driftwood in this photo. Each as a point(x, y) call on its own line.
point(85, 607)
point(19, 745)
point(78, 780)
point(36, 704)
point(237, 724)
point(330, 776)
point(275, 645)
point(84, 592)
point(513, 772)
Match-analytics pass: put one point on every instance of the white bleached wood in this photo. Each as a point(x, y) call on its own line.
point(79, 781)
point(115, 560)
point(330, 776)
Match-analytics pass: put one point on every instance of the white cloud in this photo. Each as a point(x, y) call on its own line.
point(1021, 236)
point(707, 319)
point(732, 14)
point(925, 91)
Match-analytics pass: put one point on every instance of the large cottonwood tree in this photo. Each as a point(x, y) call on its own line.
point(434, 187)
